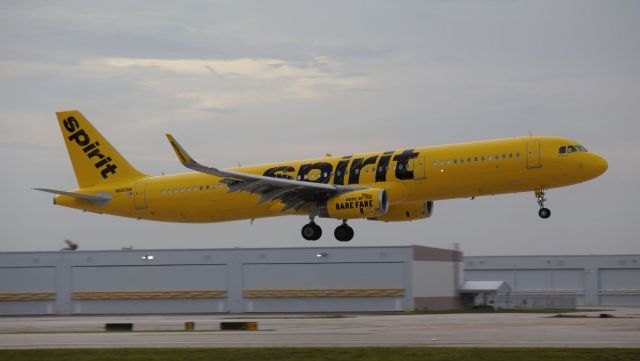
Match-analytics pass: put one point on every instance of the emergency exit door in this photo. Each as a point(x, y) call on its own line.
point(419, 168)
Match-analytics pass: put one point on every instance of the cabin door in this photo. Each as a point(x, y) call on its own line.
point(533, 154)
point(419, 168)
point(140, 195)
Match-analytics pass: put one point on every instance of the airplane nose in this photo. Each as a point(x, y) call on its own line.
point(599, 164)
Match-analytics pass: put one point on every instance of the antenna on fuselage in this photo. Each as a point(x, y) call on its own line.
point(530, 133)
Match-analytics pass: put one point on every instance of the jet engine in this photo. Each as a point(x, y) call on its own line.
point(364, 203)
point(406, 212)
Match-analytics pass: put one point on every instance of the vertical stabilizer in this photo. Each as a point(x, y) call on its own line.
point(93, 158)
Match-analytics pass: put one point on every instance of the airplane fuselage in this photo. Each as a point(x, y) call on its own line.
point(408, 175)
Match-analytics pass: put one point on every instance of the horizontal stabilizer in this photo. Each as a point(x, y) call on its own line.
point(96, 198)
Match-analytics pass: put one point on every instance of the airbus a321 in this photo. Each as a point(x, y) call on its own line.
point(389, 186)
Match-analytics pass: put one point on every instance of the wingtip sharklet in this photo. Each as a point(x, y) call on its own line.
point(182, 154)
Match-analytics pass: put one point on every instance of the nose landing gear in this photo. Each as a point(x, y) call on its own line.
point(543, 212)
point(344, 233)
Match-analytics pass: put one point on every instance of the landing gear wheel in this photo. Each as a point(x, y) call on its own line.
point(311, 232)
point(343, 233)
point(544, 213)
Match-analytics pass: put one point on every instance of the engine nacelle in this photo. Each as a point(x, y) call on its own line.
point(364, 203)
point(406, 212)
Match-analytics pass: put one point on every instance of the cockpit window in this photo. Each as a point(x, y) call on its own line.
point(571, 149)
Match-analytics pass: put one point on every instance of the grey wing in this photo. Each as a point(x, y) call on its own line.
point(295, 195)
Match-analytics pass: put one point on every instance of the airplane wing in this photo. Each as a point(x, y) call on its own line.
point(293, 194)
point(96, 198)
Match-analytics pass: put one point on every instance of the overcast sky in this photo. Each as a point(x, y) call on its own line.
point(265, 81)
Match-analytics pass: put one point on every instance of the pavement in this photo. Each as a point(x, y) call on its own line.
point(452, 330)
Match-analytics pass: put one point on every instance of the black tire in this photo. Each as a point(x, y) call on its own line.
point(311, 232)
point(544, 213)
point(340, 233)
point(343, 233)
point(317, 230)
point(351, 233)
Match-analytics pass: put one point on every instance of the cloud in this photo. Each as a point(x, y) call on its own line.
point(217, 84)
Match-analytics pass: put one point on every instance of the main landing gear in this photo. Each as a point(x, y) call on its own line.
point(312, 232)
point(543, 212)
point(343, 232)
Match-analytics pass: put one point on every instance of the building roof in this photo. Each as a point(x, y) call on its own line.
point(485, 287)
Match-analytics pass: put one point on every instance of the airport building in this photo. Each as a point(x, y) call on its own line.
point(560, 281)
point(353, 279)
point(335, 279)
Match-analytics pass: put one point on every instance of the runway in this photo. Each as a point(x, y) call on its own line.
point(453, 330)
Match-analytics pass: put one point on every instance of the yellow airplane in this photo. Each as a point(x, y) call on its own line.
point(397, 185)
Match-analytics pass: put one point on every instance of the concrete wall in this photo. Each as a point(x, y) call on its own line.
point(608, 280)
point(227, 280)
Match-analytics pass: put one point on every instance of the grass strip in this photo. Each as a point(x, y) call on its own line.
point(321, 354)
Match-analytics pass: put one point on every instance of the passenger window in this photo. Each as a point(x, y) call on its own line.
point(482, 158)
point(504, 156)
point(435, 163)
point(510, 155)
point(455, 161)
point(475, 159)
point(162, 192)
point(469, 160)
point(518, 155)
point(461, 160)
point(489, 158)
